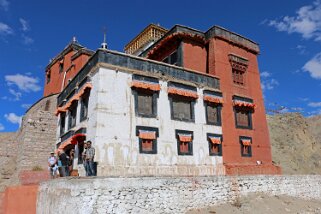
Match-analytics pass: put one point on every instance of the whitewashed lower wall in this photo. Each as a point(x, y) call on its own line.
point(112, 129)
point(163, 194)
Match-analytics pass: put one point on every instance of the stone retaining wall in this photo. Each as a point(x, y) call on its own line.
point(37, 135)
point(8, 155)
point(163, 194)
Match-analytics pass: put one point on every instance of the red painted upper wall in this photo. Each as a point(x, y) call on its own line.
point(261, 149)
point(72, 59)
point(194, 56)
point(208, 53)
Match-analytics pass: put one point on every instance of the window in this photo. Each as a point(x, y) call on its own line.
point(238, 77)
point(243, 109)
point(184, 142)
point(144, 103)
point(213, 112)
point(171, 59)
point(215, 144)
point(146, 93)
point(61, 66)
point(147, 139)
point(84, 105)
point(213, 104)
point(182, 109)
point(72, 115)
point(48, 76)
point(182, 101)
point(246, 146)
point(243, 118)
point(239, 67)
point(62, 123)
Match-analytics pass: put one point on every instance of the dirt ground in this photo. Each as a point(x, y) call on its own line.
point(264, 204)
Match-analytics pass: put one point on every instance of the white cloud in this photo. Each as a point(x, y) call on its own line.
point(5, 29)
point(26, 40)
point(17, 95)
point(269, 84)
point(314, 113)
point(266, 82)
point(314, 104)
point(4, 4)
point(265, 74)
point(13, 118)
point(24, 83)
point(306, 22)
point(24, 24)
point(302, 49)
point(1, 127)
point(304, 99)
point(313, 66)
point(26, 106)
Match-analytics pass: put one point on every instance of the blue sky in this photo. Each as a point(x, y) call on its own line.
point(32, 32)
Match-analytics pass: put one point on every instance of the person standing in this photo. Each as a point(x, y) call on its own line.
point(64, 163)
point(52, 165)
point(85, 162)
point(71, 161)
point(90, 154)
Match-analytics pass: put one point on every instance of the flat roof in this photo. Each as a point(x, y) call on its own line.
point(215, 31)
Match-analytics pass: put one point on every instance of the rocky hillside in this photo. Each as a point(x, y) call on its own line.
point(296, 144)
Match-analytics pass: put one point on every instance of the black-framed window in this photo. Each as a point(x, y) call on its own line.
point(171, 59)
point(243, 117)
point(66, 135)
point(84, 105)
point(145, 103)
point(145, 99)
point(62, 123)
point(147, 139)
point(214, 144)
point(182, 107)
point(246, 146)
point(72, 115)
point(184, 142)
point(243, 114)
point(213, 106)
point(213, 113)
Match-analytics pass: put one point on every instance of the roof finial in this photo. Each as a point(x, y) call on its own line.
point(74, 39)
point(104, 44)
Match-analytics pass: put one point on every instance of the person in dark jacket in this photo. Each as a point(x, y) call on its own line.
point(64, 159)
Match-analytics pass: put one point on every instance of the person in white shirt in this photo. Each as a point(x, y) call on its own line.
point(52, 165)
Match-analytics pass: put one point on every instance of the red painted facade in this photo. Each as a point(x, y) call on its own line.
point(64, 67)
point(211, 56)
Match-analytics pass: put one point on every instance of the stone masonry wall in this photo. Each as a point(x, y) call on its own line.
point(36, 136)
point(163, 194)
point(8, 154)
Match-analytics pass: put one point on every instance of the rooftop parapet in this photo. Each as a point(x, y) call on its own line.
point(121, 61)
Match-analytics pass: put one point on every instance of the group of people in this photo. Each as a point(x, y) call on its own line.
point(63, 164)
